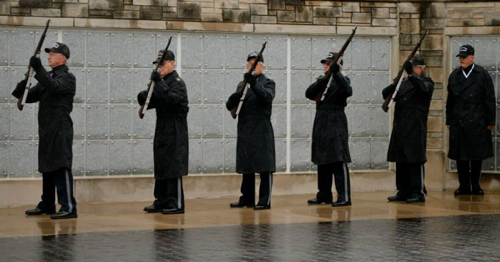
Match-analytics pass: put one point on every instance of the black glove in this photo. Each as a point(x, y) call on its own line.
point(36, 63)
point(334, 68)
point(408, 67)
point(391, 88)
point(22, 85)
point(234, 99)
point(250, 79)
point(155, 76)
point(141, 97)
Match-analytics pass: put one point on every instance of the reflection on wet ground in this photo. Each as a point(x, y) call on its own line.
point(443, 228)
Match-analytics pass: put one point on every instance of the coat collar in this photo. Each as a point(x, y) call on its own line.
point(171, 77)
point(59, 69)
point(457, 89)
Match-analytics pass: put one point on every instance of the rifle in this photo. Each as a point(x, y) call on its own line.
point(144, 107)
point(29, 74)
point(244, 87)
point(399, 78)
point(328, 74)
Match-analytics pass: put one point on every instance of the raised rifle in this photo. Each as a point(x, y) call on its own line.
point(399, 78)
point(29, 75)
point(144, 107)
point(328, 74)
point(244, 87)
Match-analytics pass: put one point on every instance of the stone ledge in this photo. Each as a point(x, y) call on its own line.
point(295, 29)
point(116, 23)
point(36, 21)
point(385, 31)
point(479, 30)
point(204, 26)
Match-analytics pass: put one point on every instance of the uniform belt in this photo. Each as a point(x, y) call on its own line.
point(171, 115)
point(331, 107)
point(268, 115)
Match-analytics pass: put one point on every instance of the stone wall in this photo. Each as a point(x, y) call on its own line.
point(228, 11)
point(401, 20)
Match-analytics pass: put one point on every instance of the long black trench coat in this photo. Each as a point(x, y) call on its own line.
point(330, 131)
point(55, 92)
point(171, 144)
point(470, 108)
point(409, 134)
point(255, 152)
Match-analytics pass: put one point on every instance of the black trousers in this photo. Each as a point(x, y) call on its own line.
point(469, 174)
point(410, 180)
point(340, 171)
point(169, 193)
point(265, 189)
point(62, 180)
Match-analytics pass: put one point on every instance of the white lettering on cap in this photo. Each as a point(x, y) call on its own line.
point(463, 49)
point(56, 45)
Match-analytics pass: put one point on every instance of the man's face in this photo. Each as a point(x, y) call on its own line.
point(466, 61)
point(56, 59)
point(418, 69)
point(167, 68)
point(326, 66)
point(258, 69)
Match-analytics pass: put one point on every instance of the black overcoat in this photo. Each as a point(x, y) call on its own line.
point(171, 144)
point(255, 152)
point(470, 108)
point(330, 132)
point(55, 92)
point(409, 133)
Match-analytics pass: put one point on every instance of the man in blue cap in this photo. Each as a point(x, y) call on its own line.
point(408, 144)
point(255, 151)
point(55, 92)
point(470, 117)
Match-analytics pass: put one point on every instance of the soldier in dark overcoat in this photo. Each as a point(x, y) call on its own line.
point(408, 143)
point(330, 148)
point(255, 151)
point(470, 117)
point(55, 92)
point(171, 144)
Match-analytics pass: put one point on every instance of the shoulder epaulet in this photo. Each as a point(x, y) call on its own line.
point(178, 79)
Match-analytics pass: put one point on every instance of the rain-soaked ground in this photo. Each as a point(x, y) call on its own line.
point(443, 229)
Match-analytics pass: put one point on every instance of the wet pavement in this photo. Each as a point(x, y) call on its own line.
point(444, 228)
point(457, 238)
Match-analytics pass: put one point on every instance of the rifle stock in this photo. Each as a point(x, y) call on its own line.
point(144, 107)
point(21, 101)
point(387, 102)
point(328, 73)
point(236, 110)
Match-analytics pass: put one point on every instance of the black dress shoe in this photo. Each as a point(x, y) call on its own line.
point(64, 215)
point(316, 201)
point(461, 192)
point(341, 204)
point(415, 200)
point(240, 205)
point(153, 209)
point(478, 192)
point(37, 211)
point(396, 198)
point(257, 207)
point(172, 211)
